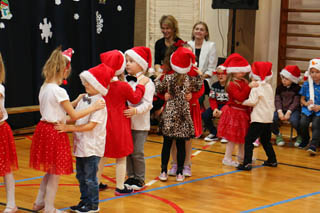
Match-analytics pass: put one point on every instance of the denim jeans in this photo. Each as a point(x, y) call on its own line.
point(294, 121)
point(207, 120)
point(304, 126)
point(87, 168)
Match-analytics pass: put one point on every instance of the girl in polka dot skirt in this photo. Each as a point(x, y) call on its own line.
point(8, 155)
point(50, 150)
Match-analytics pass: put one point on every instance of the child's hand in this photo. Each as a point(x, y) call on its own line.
point(253, 84)
point(316, 108)
point(206, 76)
point(99, 104)
point(287, 115)
point(200, 72)
point(167, 96)
point(130, 112)
point(143, 81)
point(237, 102)
point(188, 96)
point(80, 97)
point(280, 115)
point(61, 127)
point(215, 113)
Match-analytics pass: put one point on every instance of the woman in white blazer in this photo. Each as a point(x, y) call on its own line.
point(205, 52)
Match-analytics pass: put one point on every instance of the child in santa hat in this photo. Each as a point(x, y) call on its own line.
point(177, 122)
point(119, 142)
point(89, 136)
point(261, 98)
point(138, 63)
point(8, 154)
point(50, 150)
point(234, 121)
point(287, 102)
point(310, 101)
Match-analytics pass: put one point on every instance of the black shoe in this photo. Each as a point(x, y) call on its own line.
point(124, 191)
point(267, 163)
point(137, 184)
point(303, 144)
point(102, 186)
point(88, 208)
point(128, 183)
point(244, 167)
point(80, 204)
point(312, 150)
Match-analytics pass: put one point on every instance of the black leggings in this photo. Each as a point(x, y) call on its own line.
point(165, 153)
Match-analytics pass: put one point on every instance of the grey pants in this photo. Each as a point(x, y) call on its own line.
point(136, 167)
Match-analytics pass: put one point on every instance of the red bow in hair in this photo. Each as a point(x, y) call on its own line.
point(179, 43)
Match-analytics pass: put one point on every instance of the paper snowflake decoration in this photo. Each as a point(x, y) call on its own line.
point(99, 20)
point(58, 2)
point(2, 26)
point(46, 32)
point(76, 16)
point(119, 8)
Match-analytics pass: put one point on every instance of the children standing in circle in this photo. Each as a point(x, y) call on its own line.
point(8, 155)
point(119, 139)
point(50, 150)
point(310, 101)
point(262, 100)
point(177, 122)
point(234, 121)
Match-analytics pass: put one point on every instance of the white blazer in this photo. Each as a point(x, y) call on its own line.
point(208, 58)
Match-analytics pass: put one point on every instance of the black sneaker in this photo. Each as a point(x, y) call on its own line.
point(88, 208)
point(303, 144)
point(267, 163)
point(128, 183)
point(312, 150)
point(102, 186)
point(80, 204)
point(124, 191)
point(247, 167)
point(137, 184)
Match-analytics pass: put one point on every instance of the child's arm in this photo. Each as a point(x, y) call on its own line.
point(75, 102)
point(253, 98)
point(238, 93)
point(76, 128)
point(198, 94)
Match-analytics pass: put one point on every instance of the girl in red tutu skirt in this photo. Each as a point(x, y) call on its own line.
point(8, 155)
point(234, 121)
point(50, 150)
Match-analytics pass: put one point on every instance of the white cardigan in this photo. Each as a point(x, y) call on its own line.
point(208, 57)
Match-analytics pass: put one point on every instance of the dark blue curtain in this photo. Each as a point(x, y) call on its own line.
point(25, 52)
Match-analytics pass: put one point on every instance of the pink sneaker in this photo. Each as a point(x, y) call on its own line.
point(256, 143)
point(173, 170)
point(163, 176)
point(187, 171)
point(180, 177)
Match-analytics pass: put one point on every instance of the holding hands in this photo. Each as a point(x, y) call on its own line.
point(216, 113)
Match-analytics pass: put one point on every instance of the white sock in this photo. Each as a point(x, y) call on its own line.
point(229, 151)
point(120, 172)
point(52, 187)
point(42, 191)
point(10, 185)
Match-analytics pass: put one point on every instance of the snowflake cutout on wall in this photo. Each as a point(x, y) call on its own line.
point(76, 16)
point(58, 2)
point(46, 32)
point(99, 22)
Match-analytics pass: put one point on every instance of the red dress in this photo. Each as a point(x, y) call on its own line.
point(8, 154)
point(119, 139)
point(235, 119)
point(196, 112)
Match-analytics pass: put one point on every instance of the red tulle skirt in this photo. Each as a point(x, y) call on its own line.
point(50, 151)
point(233, 124)
point(196, 118)
point(8, 154)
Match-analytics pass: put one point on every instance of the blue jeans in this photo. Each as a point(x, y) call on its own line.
point(294, 121)
point(304, 126)
point(87, 168)
point(207, 120)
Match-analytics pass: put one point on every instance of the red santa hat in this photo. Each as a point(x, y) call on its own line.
point(220, 67)
point(68, 53)
point(182, 60)
point(141, 55)
point(291, 72)
point(261, 71)
point(114, 59)
point(99, 77)
point(235, 63)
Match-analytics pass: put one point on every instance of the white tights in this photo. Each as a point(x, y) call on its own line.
point(121, 164)
point(10, 191)
point(229, 150)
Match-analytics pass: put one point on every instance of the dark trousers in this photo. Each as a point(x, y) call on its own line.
point(165, 153)
point(207, 120)
point(256, 130)
point(87, 168)
point(304, 128)
point(294, 121)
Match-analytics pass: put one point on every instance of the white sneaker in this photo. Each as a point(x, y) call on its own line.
point(211, 137)
point(230, 163)
point(223, 140)
point(281, 143)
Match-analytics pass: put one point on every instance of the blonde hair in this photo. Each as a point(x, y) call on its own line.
point(172, 23)
point(2, 71)
point(55, 66)
point(205, 26)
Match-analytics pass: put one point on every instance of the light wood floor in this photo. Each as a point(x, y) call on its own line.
point(292, 187)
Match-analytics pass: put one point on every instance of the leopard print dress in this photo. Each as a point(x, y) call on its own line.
point(176, 121)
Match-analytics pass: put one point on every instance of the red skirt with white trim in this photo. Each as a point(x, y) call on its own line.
point(233, 124)
point(8, 154)
point(50, 150)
